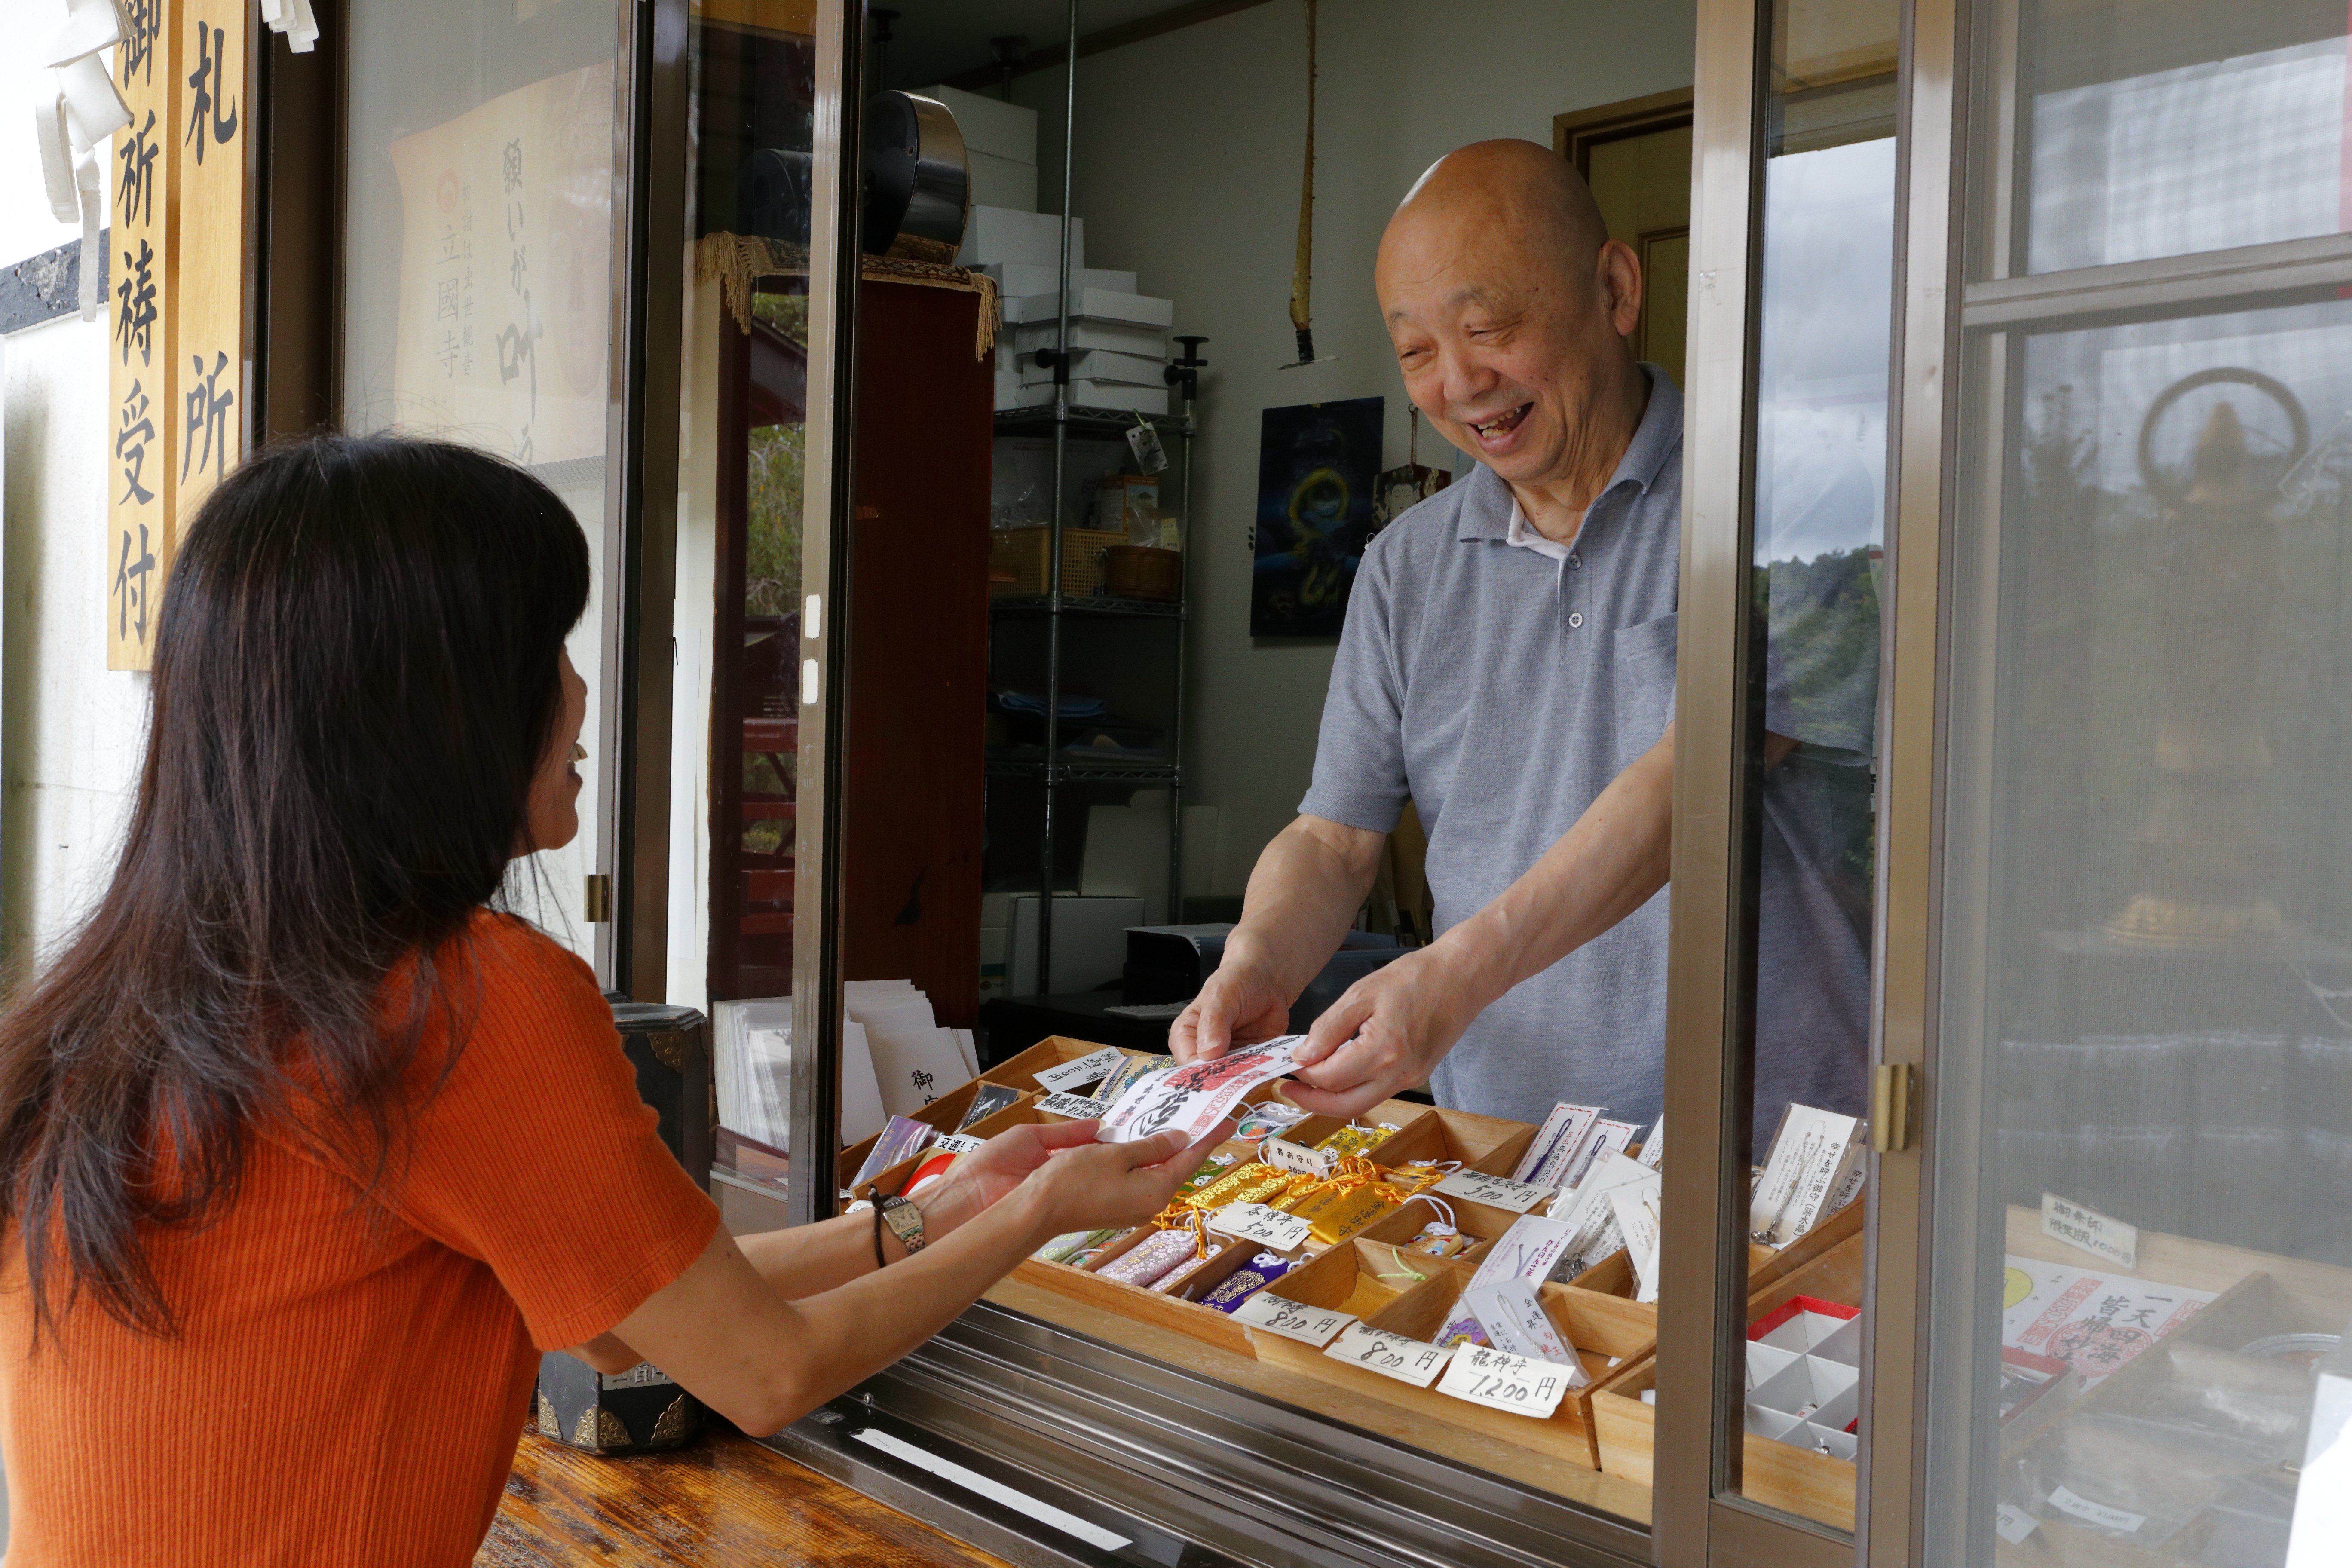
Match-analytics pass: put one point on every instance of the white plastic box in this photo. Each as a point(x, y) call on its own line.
point(1804, 1372)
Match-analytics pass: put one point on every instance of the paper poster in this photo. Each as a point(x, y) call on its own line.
point(2095, 1322)
point(504, 271)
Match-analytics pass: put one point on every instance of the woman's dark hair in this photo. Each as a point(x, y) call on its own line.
point(356, 675)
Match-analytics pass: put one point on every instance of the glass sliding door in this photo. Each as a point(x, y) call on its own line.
point(1763, 1398)
point(484, 144)
point(2140, 1261)
point(760, 308)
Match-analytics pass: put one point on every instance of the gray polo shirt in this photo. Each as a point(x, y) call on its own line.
point(1501, 690)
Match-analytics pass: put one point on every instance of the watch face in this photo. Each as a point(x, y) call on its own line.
point(906, 1220)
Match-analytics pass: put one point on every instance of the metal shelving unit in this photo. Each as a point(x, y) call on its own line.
point(1048, 767)
point(1065, 422)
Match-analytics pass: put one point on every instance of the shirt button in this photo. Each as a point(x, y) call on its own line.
point(1576, 617)
point(1576, 559)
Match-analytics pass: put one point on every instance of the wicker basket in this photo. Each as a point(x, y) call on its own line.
point(1017, 560)
point(1142, 572)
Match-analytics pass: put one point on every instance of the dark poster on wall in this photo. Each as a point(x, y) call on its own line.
point(1318, 464)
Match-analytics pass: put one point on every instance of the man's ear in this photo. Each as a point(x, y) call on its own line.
point(1619, 273)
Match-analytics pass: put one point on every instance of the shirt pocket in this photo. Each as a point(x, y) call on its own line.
point(1645, 685)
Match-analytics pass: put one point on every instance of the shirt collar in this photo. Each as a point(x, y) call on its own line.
point(1490, 506)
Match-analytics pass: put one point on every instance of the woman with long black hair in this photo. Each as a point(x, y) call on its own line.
point(305, 1148)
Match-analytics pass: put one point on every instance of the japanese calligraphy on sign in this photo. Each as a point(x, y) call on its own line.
point(505, 270)
point(138, 435)
point(176, 344)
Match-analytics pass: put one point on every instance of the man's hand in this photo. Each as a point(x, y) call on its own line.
point(1389, 1031)
point(1240, 1004)
point(1307, 887)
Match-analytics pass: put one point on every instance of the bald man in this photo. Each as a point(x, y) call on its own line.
point(1508, 666)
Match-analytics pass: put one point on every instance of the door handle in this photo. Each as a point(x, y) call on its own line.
point(1891, 1087)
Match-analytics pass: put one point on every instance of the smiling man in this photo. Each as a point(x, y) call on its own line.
point(1508, 665)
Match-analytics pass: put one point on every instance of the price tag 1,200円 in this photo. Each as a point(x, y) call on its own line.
point(1520, 1385)
point(1269, 1228)
point(1416, 1362)
point(1277, 1315)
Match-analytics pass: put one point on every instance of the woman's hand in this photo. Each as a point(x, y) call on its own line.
point(986, 1175)
point(1102, 1185)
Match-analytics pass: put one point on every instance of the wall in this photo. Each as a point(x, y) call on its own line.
point(1187, 172)
point(71, 730)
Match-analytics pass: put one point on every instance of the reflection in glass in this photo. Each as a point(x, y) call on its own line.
point(477, 294)
point(1825, 316)
point(2164, 919)
point(2151, 132)
point(745, 438)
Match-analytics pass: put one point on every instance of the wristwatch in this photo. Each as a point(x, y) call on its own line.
point(906, 1222)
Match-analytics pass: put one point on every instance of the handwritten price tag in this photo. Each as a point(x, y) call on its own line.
point(957, 1143)
point(1500, 1192)
point(1282, 1154)
point(1308, 1325)
point(1269, 1228)
point(1086, 1069)
point(1077, 1107)
point(2062, 1219)
point(1512, 1382)
point(1416, 1362)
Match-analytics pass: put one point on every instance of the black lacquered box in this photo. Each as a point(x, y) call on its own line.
point(641, 1409)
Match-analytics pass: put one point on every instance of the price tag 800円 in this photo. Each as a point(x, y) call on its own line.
point(1314, 1326)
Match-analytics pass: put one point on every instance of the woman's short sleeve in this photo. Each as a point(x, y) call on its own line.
point(536, 1155)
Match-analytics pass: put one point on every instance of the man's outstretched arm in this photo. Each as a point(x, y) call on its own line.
point(1395, 1024)
point(1303, 894)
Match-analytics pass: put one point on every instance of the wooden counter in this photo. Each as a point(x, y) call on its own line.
point(722, 1502)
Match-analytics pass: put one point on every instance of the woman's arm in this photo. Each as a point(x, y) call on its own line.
point(738, 1343)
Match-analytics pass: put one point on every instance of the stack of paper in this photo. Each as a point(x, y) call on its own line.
point(752, 1061)
point(894, 1060)
point(914, 1061)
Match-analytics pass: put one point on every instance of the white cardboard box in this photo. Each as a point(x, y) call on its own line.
point(1151, 343)
point(1016, 234)
point(1094, 395)
point(990, 125)
point(1089, 940)
point(1002, 181)
point(1092, 305)
point(1102, 365)
point(1015, 277)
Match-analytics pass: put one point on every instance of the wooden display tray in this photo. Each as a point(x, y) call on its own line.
point(941, 1115)
point(1360, 1277)
point(1169, 1311)
point(1779, 1475)
point(1021, 1071)
point(894, 1179)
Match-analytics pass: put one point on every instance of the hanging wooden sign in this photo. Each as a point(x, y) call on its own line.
point(140, 436)
point(178, 306)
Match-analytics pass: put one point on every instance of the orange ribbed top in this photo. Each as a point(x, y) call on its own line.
point(350, 1382)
